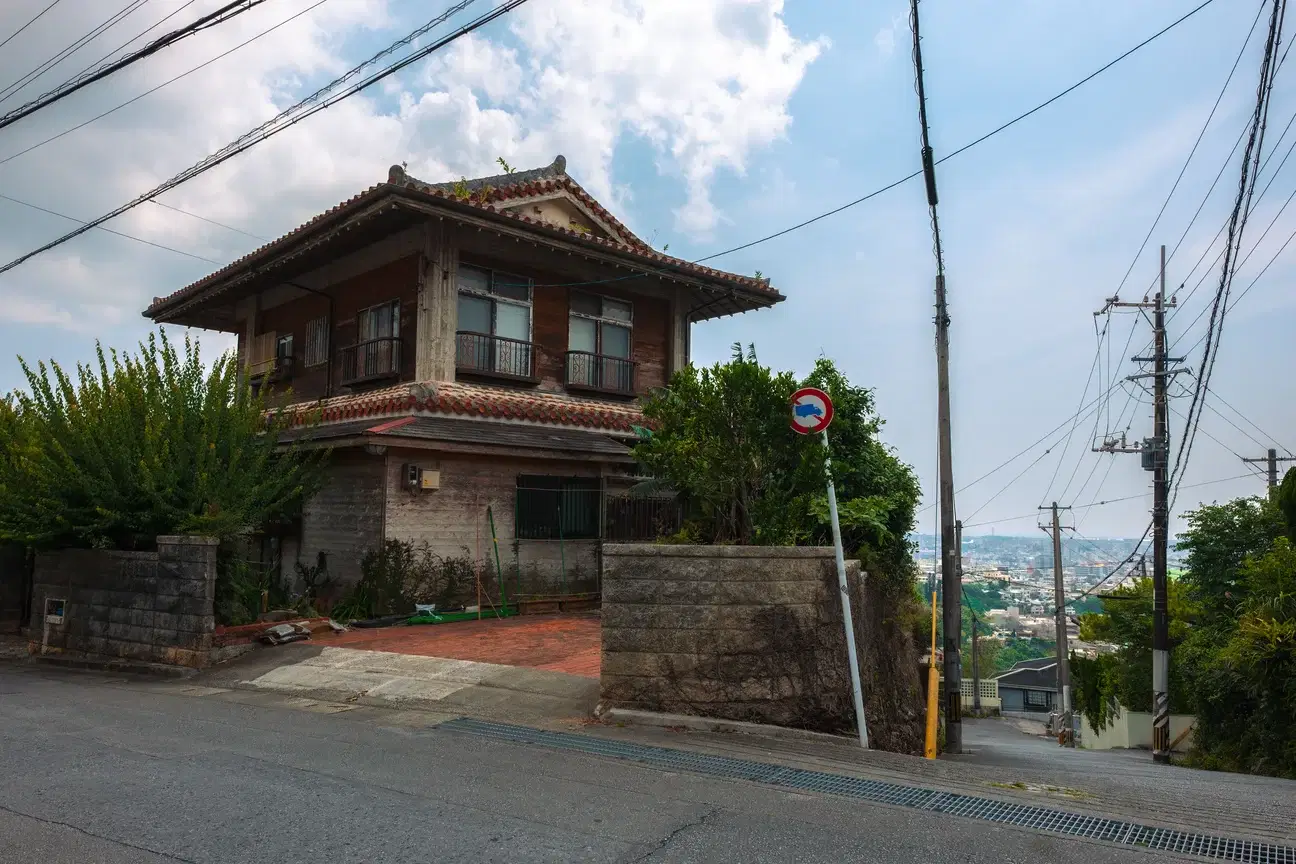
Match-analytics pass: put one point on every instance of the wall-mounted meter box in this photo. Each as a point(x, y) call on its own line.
point(54, 610)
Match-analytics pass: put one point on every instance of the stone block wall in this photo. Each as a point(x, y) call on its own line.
point(753, 634)
point(154, 607)
point(13, 586)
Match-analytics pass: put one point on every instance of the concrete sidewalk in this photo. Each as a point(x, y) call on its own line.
point(444, 686)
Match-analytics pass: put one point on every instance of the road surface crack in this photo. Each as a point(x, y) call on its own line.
point(81, 830)
point(676, 832)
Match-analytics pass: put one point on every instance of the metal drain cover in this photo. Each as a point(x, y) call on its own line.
point(968, 806)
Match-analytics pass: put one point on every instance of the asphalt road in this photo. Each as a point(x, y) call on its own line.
point(96, 772)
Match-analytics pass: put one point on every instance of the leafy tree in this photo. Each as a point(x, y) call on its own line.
point(140, 445)
point(1125, 677)
point(721, 439)
point(1242, 676)
point(1287, 501)
point(1219, 540)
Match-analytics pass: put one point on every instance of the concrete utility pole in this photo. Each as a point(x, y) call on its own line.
point(1060, 619)
point(1155, 454)
point(951, 602)
point(1272, 460)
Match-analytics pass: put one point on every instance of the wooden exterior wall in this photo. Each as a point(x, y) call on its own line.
point(397, 280)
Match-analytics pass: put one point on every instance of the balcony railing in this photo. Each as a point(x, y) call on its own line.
point(498, 356)
point(599, 372)
point(372, 360)
point(271, 370)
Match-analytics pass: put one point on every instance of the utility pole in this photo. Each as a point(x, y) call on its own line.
point(1060, 621)
point(951, 602)
point(1272, 460)
point(1155, 455)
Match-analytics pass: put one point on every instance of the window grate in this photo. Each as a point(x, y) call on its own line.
point(954, 804)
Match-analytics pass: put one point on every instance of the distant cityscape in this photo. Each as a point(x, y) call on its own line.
point(1012, 578)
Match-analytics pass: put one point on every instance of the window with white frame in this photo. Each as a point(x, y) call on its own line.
point(600, 342)
point(494, 328)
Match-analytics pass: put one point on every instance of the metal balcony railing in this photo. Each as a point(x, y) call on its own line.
point(479, 354)
point(371, 360)
point(599, 372)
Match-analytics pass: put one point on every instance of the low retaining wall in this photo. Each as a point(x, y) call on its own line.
point(1133, 730)
point(154, 607)
point(753, 634)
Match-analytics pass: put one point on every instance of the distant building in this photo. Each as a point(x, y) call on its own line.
point(1031, 686)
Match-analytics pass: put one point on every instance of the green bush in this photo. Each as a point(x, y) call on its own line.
point(140, 445)
point(398, 574)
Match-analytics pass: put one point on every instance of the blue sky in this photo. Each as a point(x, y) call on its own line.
point(708, 124)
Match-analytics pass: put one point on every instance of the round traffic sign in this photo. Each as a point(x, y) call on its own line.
point(812, 410)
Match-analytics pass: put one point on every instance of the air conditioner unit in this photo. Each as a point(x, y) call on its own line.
point(429, 479)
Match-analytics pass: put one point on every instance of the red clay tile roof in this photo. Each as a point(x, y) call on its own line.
point(503, 188)
point(476, 400)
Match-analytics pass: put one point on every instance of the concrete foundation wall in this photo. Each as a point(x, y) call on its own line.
point(753, 634)
point(152, 607)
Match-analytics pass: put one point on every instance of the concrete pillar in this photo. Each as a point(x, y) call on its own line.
point(437, 317)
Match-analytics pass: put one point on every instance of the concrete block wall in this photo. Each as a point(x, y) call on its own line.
point(753, 634)
point(152, 607)
point(452, 519)
point(343, 519)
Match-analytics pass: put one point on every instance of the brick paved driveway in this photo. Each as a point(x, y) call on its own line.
point(559, 643)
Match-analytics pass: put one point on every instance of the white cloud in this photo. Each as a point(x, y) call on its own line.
point(705, 82)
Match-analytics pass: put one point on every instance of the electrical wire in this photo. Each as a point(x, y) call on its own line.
point(220, 16)
point(172, 80)
point(209, 221)
point(109, 230)
point(1209, 117)
point(1271, 438)
point(30, 22)
point(67, 52)
point(1237, 224)
point(899, 182)
point(266, 130)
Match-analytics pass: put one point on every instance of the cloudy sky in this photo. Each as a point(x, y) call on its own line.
point(706, 124)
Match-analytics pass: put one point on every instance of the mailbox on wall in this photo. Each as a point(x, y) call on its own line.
point(54, 610)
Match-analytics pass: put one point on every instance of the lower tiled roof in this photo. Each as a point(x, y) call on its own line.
point(475, 400)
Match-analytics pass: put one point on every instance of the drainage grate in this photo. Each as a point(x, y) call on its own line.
point(969, 806)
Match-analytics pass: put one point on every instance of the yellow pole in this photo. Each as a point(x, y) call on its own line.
point(933, 685)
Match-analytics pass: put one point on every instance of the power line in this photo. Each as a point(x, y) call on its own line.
point(268, 130)
point(135, 99)
point(109, 230)
point(1237, 224)
point(1157, 221)
point(67, 52)
point(36, 18)
point(210, 221)
point(888, 187)
point(220, 16)
point(1253, 425)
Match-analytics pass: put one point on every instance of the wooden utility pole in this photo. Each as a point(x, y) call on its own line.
point(1155, 455)
point(1060, 621)
point(951, 602)
point(1271, 459)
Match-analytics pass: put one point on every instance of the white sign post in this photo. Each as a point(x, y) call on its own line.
point(812, 411)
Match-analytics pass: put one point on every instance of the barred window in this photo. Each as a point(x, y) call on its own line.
point(557, 508)
point(317, 337)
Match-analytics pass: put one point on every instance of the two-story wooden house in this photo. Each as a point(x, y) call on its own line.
point(469, 344)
